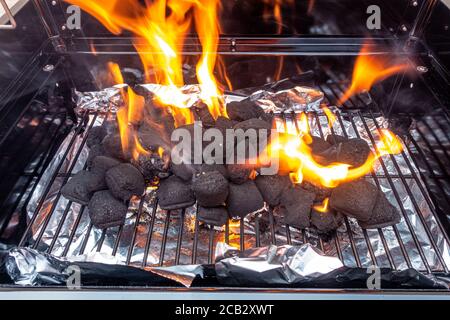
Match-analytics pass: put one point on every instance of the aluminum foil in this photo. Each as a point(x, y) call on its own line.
point(290, 264)
point(141, 242)
point(293, 100)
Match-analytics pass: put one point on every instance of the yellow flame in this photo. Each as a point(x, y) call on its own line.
point(330, 116)
point(323, 207)
point(368, 70)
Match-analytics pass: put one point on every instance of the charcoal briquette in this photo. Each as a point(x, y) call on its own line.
point(355, 199)
point(80, 187)
point(183, 171)
point(254, 123)
point(173, 193)
point(320, 191)
point(326, 222)
point(201, 113)
point(295, 204)
point(244, 199)
point(319, 145)
point(225, 123)
point(94, 151)
point(125, 181)
point(353, 152)
point(244, 110)
point(210, 188)
point(95, 136)
point(239, 173)
point(384, 214)
point(106, 211)
point(152, 165)
point(217, 216)
point(271, 187)
point(333, 139)
point(112, 146)
point(101, 164)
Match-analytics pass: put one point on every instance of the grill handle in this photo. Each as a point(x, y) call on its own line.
point(11, 19)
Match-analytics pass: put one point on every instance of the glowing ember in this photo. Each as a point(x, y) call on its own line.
point(368, 70)
point(323, 207)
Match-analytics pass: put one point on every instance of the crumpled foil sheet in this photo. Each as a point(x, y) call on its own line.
point(128, 244)
point(293, 100)
point(274, 264)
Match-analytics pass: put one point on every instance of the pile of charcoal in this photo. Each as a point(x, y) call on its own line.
point(221, 191)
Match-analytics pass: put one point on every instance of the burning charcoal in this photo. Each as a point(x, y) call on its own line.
point(384, 214)
point(94, 151)
point(295, 204)
point(201, 113)
point(320, 192)
point(102, 164)
point(125, 181)
point(239, 173)
point(244, 110)
point(152, 165)
point(244, 199)
point(106, 211)
point(81, 186)
point(319, 145)
point(112, 146)
point(173, 194)
point(210, 188)
point(151, 138)
point(271, 187)
point(256, 124)
point(217, 216)
point(355, 199)
point(353, 152)
point(326, 222)
point(335, 139)
point(95, 137)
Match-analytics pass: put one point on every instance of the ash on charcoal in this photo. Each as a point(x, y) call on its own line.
point(384, 214)
point(81, 186)
point(355, 199)
point(112, 146)
point(295, 205)
point(152, 165)
point(333, 139)
point(94, 151)
point(95, 137)
point(326, 222)
point(217, 216)
point(101, 164)
point(271, 187)
point(173, 193)
point(239, 173)
point(320, 192)
point(201, 113)
point(106, 211)
point(244, 199)
point(244, 110)
point(125, 181)
point(210, 188)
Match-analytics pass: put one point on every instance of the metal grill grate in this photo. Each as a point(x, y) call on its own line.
point(181, 239)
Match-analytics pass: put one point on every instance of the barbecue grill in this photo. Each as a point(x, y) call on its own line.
point(42, 137)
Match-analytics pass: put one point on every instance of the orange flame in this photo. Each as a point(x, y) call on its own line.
point(330, 116)
point(323, 207)
point(161, 27)
point(115, 72)
point(368, 70)
point(297, 150)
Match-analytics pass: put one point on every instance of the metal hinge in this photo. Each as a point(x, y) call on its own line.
point(10, 17)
